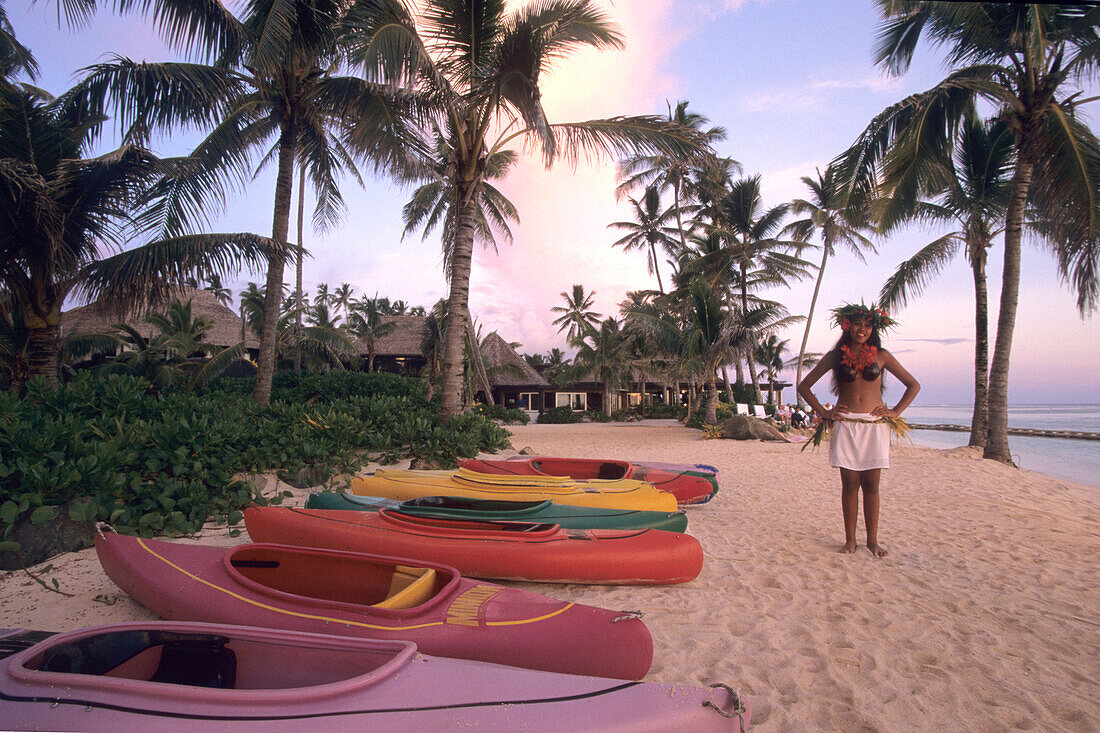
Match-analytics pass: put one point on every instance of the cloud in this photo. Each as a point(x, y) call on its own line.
point(945, 342)
point(816, 96)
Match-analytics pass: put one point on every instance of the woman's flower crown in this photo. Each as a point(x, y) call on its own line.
point(879, 318)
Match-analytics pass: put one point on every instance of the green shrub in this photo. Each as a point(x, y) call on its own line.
point(599, 416)
point(151, 463)
point(500, 412)
point(558, 415)
point(663, 411)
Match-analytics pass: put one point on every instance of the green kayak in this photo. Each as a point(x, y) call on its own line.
point(491, 510)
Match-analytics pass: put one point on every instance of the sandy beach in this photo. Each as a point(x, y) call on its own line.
point(983, 617)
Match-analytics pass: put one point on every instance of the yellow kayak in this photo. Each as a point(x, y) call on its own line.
point(607, 493)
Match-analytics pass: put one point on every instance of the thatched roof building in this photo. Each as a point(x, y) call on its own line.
point(93, 318)
point(498, 352)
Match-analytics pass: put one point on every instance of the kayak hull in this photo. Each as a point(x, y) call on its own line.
point(504, 550)
point(492, 510)
point(176, 676)
point(613, 494)
point(689, 485)
point(324, 591)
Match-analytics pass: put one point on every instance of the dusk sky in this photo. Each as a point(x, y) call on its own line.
point(793, 84)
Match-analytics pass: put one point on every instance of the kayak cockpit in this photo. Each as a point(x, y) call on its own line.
point(203, 660)
point(349, 578)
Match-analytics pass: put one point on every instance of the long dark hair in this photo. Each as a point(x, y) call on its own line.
point(846, 338)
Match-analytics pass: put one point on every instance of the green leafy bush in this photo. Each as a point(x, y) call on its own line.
point(152, 463)
point(559, 415)
point(662, 411)
point(500, 412)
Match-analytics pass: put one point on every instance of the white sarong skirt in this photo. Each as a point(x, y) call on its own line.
point(860, 446)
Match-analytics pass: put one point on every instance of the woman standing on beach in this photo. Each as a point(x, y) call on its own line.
point(860, 445)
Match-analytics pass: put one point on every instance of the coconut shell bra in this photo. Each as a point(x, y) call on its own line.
point(869, 373)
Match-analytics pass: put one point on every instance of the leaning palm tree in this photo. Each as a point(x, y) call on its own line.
point(478, 65)
point(650, 229)
point(836, 224)
point(271, 88)
point(1028, 61)
point(62, 214)
point(577, 315)
point(969, 189)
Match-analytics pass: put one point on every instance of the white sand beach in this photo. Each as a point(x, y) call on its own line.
point(984, 616)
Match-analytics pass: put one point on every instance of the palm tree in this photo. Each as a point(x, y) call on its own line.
point(751, 254)
point(271, 85)
point(649, 230)
point(1024, 60)
point(323, 346)
point(603, 353)
point(366, 324)
point(478, 66)
point(431, 343)
point(223, 294)
point(664, 171)
point(836, 224)
point(973, 193)
point(61, 213)
point(14, 56)
point(769, 354)
point(323, 296)
point(576, 315)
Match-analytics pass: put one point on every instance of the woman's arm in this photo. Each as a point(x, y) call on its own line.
point(805, 387)
point(912, 386)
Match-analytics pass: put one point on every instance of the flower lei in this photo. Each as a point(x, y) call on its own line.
point(860, 359)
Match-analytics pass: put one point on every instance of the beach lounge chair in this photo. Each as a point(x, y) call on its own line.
point(758, 411)
point(742, 409)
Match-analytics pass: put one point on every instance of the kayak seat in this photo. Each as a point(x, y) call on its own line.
point(610, 471)
point(409, 587)
point(197, 663)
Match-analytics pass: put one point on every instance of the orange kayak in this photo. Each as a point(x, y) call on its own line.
point(543, 553)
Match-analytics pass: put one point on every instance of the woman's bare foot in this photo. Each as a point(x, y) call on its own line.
point(849, 547)
point(876, 549)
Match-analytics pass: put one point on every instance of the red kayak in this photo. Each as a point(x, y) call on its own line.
point(543, 553)
point(687, 484)
point(353, 594)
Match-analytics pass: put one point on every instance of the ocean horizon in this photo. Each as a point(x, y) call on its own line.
point(1065, 458)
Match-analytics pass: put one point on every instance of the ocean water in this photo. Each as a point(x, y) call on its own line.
point(1073, 460)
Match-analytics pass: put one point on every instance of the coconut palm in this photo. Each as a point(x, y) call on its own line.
point(62, 215)
point(431, 343)
point(1028, 61)
point(973, 187)
point(478, 64)
point(752, 255)
point(602, 353)
point(14, 56)
point(665, 171)
point(769, 354)
point(323, 347)
point(271, 88)
point(576, 315)
point(365, 323)
point(649, 230)
point(835, 223)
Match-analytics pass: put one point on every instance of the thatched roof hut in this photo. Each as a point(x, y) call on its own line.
point(499, 353)
point(403, 340)
point(94, 318)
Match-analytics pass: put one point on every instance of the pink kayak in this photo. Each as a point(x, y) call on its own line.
point(377, 597)
point(175, 676)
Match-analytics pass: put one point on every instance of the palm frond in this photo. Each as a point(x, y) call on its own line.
point(913, 275)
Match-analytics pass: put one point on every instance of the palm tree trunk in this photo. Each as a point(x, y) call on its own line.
point(711, 416)
point(454, 335)
point(298, 270)
point(729, 387)
point(284, 189)
point(656, 270)
point(752, 337)
point(43, 344)
point(809, 322)
point(996, 446)
point(979, 422)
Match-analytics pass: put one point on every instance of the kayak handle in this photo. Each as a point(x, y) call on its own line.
point(738, 705)
point(627, 615)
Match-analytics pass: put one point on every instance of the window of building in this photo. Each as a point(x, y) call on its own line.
point(528, 401)
point(575, 400)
